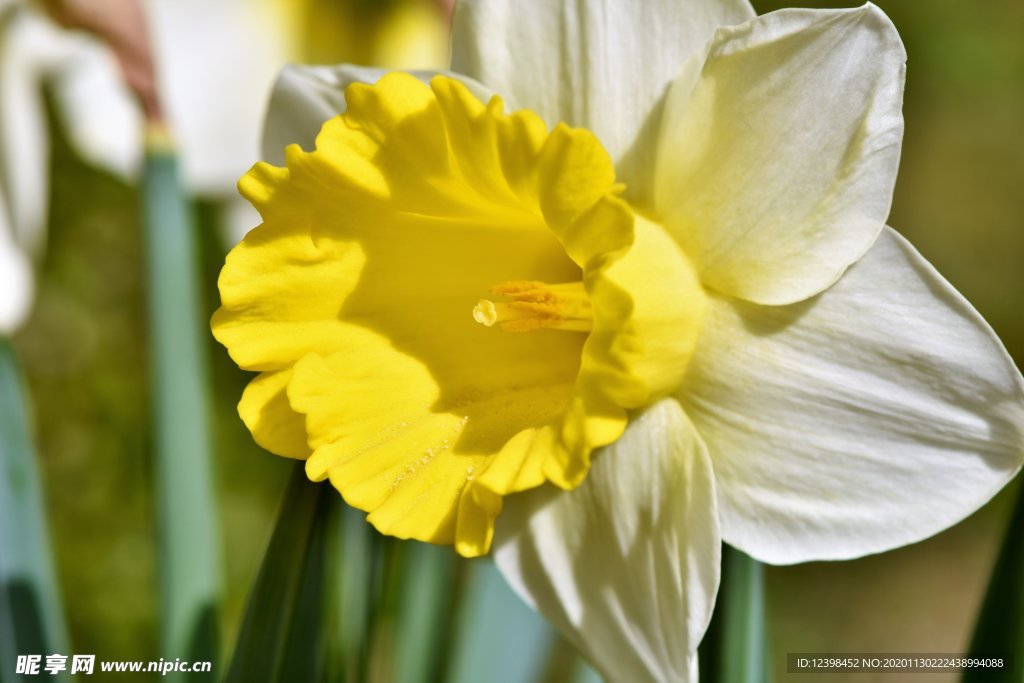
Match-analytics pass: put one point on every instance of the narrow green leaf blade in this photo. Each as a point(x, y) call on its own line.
point(31, 611)
point(281, 636)
point(1000, 628)
point(186, 508)
point(352, 546)
point(426, 589)
point(499, 639)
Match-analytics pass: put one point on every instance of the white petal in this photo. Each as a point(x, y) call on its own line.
point(217, 62)
point(99, 113)
point(16, 284)
point(237, 218)
point(777, 165)
point(27, 46)
point(600, 64)
point(872, 416)
point(626, 565)
point(304, 97)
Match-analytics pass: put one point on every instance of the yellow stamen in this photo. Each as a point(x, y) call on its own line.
point(531, 305)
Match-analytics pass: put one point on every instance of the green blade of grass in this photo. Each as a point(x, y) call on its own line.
point(1000, 628)
point(499, 638)
point(31, 612)
point(186, 509)
point(282, 637)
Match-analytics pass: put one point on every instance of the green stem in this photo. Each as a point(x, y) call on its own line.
point(186, 512)
point(735, 648)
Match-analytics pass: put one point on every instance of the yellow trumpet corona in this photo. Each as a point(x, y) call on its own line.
point(353, 301)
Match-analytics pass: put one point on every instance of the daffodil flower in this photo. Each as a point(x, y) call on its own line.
point(624, 271)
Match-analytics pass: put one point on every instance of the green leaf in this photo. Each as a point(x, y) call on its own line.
point(735, 648)
point(499, 638)
point(31, 613)
point(318, 599)
point(423, 623)
point(186, 509)
point(352, 555)
point(282, 638)
point(1000, 628)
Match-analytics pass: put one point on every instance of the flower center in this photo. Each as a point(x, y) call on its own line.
point(532, 305)
point(353, 299)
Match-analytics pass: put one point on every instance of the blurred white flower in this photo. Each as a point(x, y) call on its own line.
point(94, 106)
point(96, 110)
point(216, 63)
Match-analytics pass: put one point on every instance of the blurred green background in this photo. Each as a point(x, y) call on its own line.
point(959, 199)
